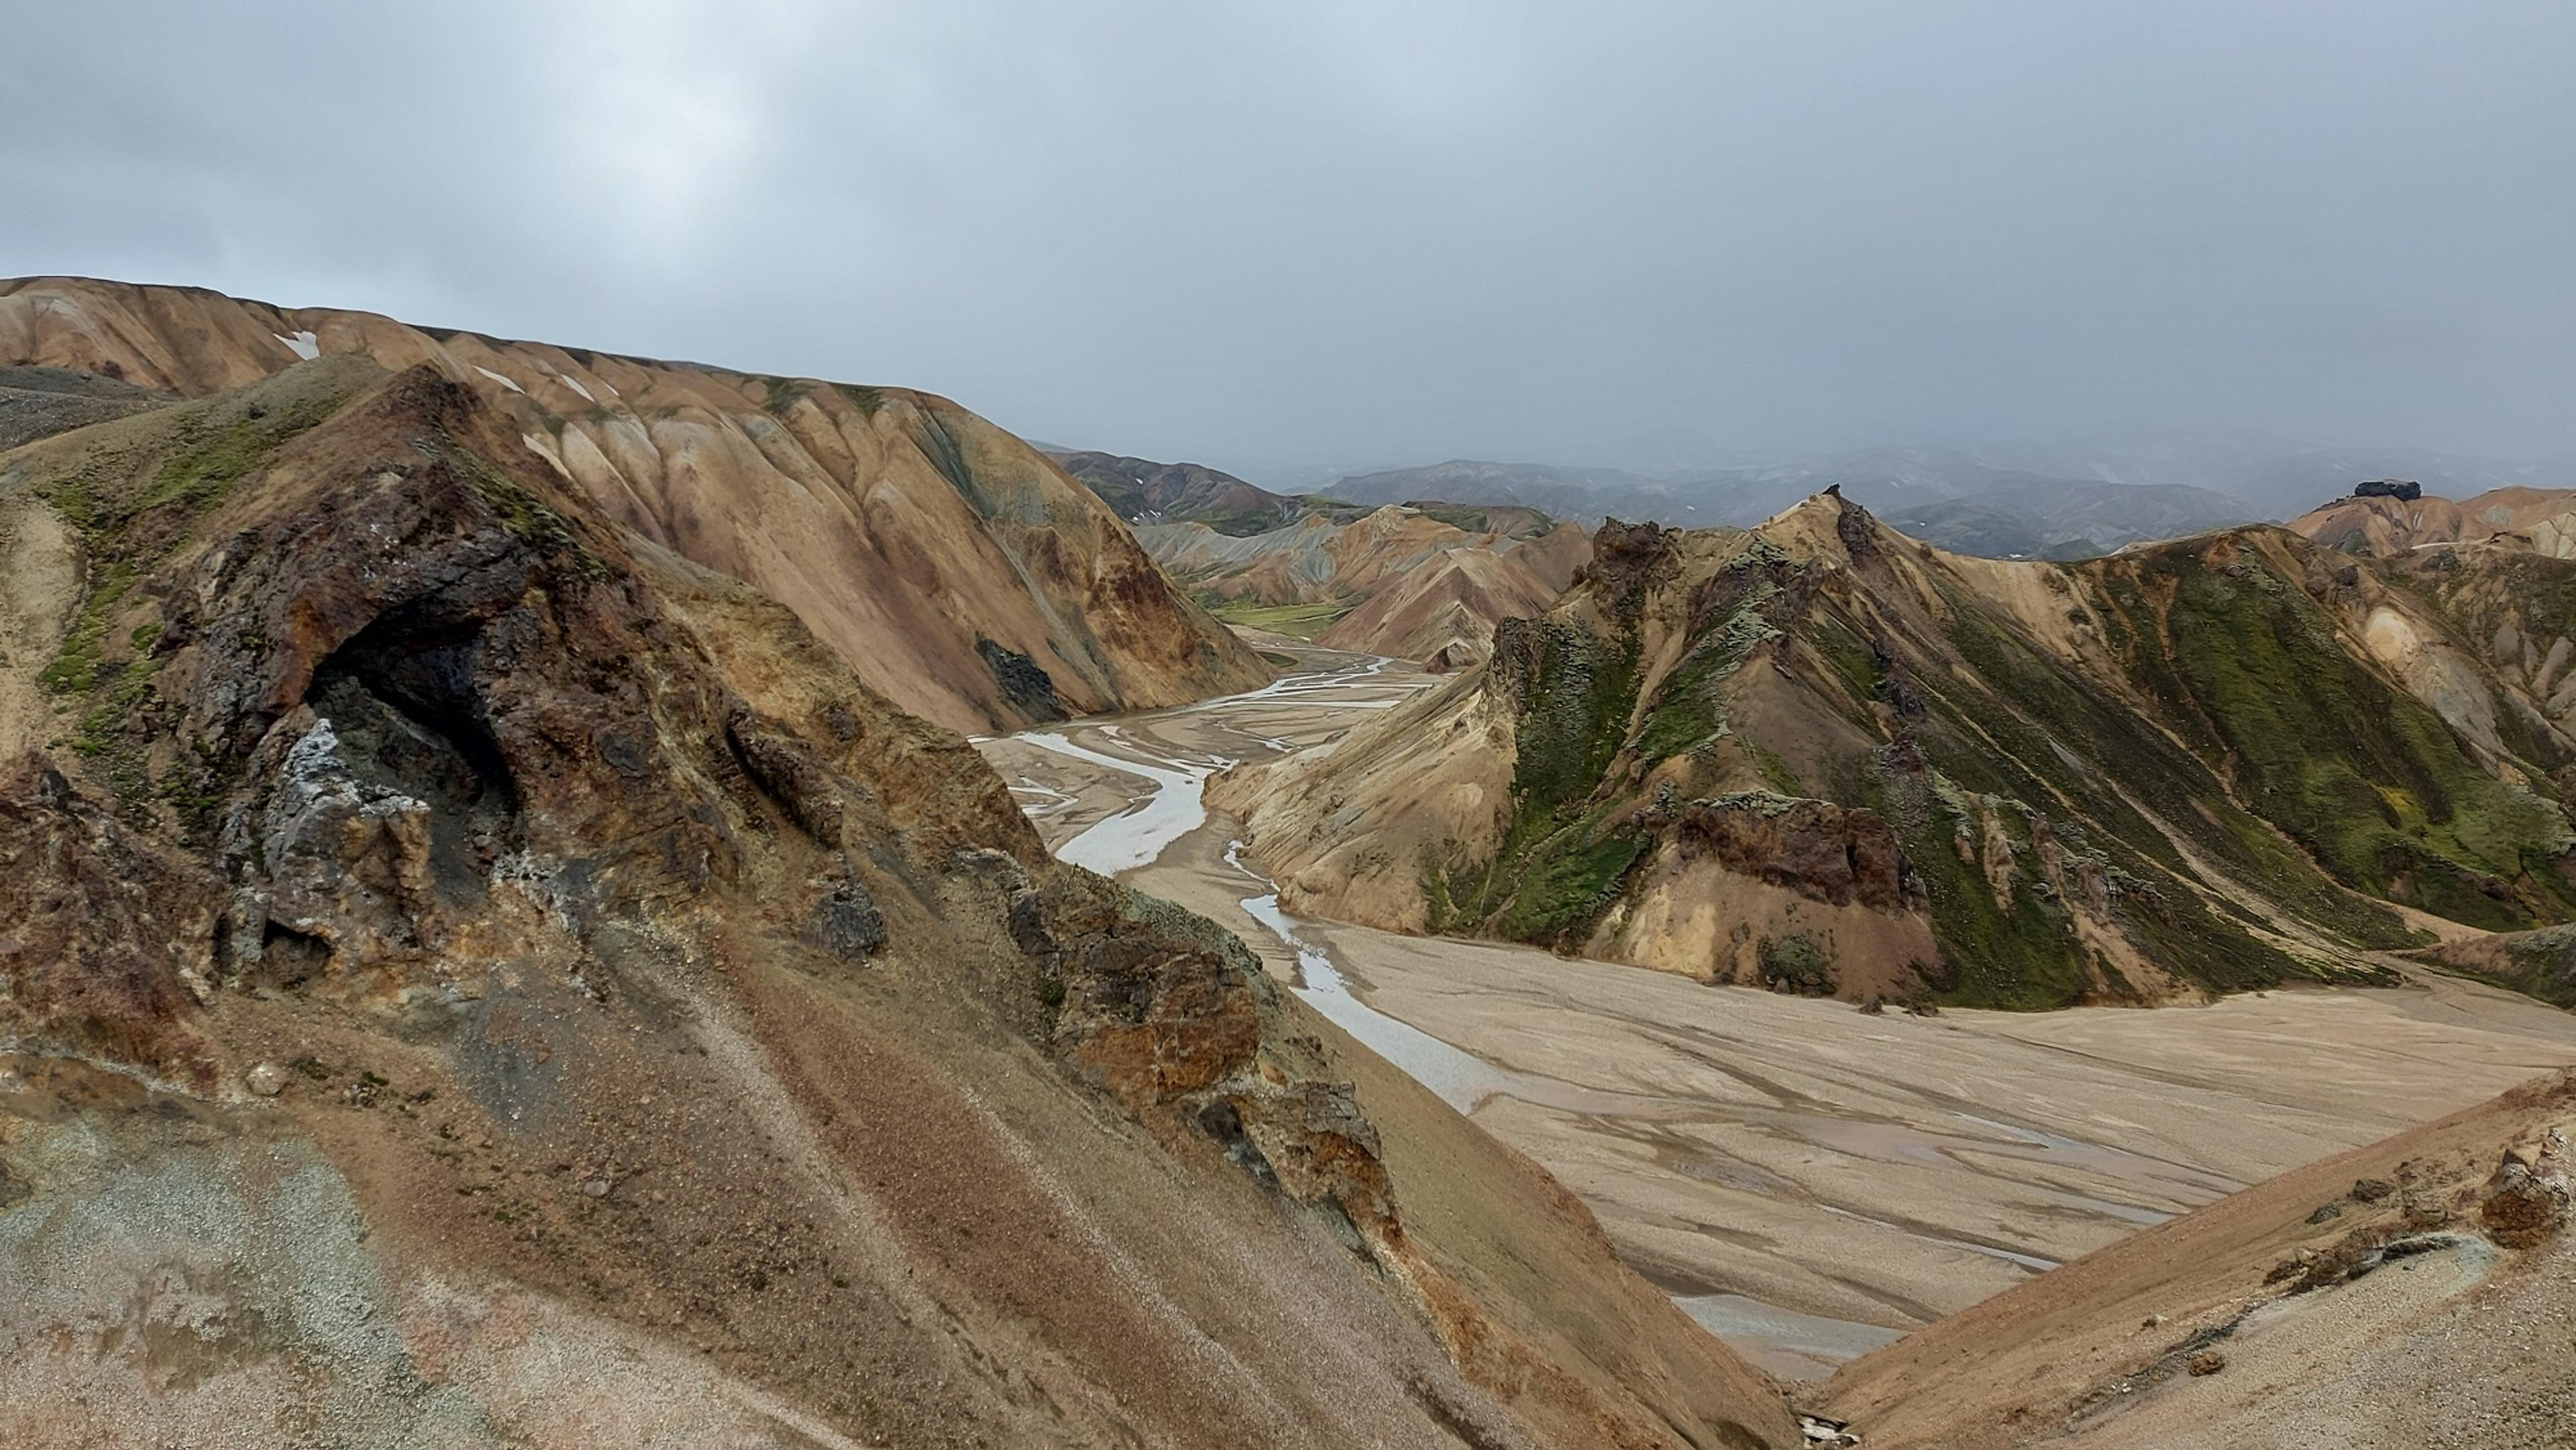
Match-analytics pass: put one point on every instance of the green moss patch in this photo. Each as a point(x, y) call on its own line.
point(1690, 709)
point(528, 518)
point(1564, 854)
point(2370, 782)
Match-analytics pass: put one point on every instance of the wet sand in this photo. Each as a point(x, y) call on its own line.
point(1804, 1179)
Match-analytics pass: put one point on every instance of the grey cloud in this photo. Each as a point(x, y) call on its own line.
point(1384, 231)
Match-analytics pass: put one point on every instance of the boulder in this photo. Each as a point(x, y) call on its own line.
point(2528, 1200)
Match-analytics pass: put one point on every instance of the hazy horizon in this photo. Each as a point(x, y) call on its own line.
point(1388, 235)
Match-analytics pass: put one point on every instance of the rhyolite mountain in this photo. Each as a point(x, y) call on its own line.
point(2542, 520)
point(1419, 580)
point(959, 571)
point(470, 974)
point(1824, 757)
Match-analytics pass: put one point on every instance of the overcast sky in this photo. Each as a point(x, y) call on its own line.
point(1256, 233)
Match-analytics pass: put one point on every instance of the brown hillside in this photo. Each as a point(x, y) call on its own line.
point(2540, 519)
point(957, 569)
point(1421, 582)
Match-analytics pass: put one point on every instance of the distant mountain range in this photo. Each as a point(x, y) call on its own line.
point(2277, 477)
point(1943, 498)
point(2062, 498)
point(1146, 492)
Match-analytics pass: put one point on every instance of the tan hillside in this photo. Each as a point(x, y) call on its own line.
point(958, 570)
point(2411, 1293)
point(1442, 612)
point(1825, 758)
point(1421, 582)
point(471, 975)
point(2540, 519)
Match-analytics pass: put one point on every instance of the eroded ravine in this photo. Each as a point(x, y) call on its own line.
point(1805, 1180)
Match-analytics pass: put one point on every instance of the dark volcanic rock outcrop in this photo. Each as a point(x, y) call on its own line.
point(1820, 850)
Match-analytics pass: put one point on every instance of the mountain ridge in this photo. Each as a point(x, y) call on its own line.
point(2202, 766)
point(1141, 490)
point(954, 565)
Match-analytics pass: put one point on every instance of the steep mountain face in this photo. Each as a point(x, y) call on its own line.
point(1825, 758)
point(960, 572)
point(470, 975)
point(1144, 491)
point(1424, 582)
point(2542, 520)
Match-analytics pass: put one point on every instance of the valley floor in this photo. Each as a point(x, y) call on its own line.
point(1807, 1180)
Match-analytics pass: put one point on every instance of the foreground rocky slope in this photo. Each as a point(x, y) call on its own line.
point(957, 569)
point(1825, 758)
point(1422, 582)
point(2410, 1294)
point(471, 975)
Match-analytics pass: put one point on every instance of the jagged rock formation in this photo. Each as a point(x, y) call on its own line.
point(1416, 581)
point(469, 974)
point(902, 529)
point(2192, 767)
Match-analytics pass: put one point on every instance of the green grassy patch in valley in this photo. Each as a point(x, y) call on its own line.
point(1297, 621)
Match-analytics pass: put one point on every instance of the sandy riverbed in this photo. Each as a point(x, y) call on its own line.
point(1805, 1179)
